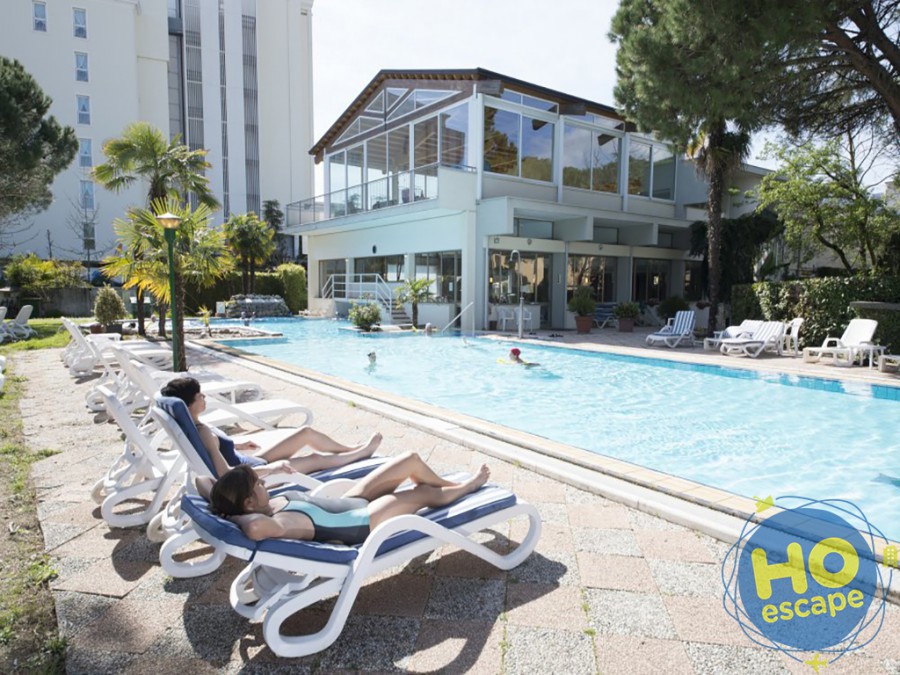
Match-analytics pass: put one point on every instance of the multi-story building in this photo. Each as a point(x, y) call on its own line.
point(231, 76)
point(498, 191)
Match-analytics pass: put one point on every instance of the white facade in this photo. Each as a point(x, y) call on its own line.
point(233, 76)
point(497, 190)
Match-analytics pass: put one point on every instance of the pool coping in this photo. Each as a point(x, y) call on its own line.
point(713, 511)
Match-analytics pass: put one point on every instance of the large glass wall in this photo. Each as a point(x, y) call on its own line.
point(591, 159)
point(596, 271)
point(390, 267)
point(329, 267)
point(509, 277)
point(651, 170)
point(651, 279)
point(442, 268)
point(518, 145)
point(454, 136)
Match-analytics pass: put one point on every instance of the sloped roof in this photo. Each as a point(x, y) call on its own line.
point(471, 75)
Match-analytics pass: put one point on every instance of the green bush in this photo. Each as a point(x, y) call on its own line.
point(267, 283)
point(34, 276)
point(823, 303)
point(293, 281)
point(668, 307)
point(627, 310)
point(582, 302)
point(108, 306)
point(364, 315)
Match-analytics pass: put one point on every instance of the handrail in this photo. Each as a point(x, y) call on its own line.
point(461, 312)
point(359, 286)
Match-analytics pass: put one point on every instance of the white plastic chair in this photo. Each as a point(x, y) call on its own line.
point(770, 335)
point(859, 332)
point(792, 336)
point(679, 328)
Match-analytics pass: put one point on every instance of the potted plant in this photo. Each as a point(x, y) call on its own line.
point(626, 313)
point(109, 308)
point(582, 305)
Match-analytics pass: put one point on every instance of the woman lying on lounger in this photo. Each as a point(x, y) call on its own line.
point(327, 453)
point(241, 495)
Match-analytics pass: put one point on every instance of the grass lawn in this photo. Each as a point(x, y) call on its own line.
point(29, 638)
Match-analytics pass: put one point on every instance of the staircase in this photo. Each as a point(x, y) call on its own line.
point(398, 315)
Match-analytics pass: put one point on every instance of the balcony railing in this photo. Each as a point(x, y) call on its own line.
point(405, 187)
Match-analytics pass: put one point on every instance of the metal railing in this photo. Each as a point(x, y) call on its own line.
point(404, 187)
point(359, 287)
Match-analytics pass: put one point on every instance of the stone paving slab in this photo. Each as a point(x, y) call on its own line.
point(610, 589)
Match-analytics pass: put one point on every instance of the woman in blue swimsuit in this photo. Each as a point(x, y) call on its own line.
point(285, 455)
point(241, 495)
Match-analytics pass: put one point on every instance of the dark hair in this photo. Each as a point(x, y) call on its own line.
point(229, 493)
point(185, 388)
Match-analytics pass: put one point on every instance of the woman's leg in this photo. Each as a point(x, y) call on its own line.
point(316, 461)
point(423, 496)
point(386, 478)
point(319, 442)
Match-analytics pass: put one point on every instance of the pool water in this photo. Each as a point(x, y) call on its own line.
point(750, 433)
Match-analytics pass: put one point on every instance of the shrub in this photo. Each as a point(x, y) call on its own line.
point(35, 276)
point(823, 303)
point(671, 305)
point(364, 315)
point(293, 282)
point(582, 302)
point(108, 307)
point(627, 310)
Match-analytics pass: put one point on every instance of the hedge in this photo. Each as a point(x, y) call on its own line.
point(284, 284)
point(823, 303)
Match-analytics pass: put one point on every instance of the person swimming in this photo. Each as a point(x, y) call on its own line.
point(515, 356)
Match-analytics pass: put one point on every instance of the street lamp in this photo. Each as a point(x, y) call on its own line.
point(170, 223)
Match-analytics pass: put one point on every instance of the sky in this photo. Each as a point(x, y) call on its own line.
point(562, 45)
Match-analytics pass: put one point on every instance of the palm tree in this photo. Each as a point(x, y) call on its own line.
point(253, 242)
point(170, 169)
point(201, 255)
point(717, 152)
point(414, 291)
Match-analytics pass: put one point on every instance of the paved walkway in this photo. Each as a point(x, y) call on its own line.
point(610, 589)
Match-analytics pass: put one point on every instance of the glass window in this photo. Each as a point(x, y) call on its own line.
point(355, 166)
point(39, 16)
point(390, 267)
point(501, 141)
point(598, 272)
point(537, 149)
point(663, 173)
point(81, 66)
point(377, 104)
point(376, 157)
point(651, 279)
point(330, 267)
point(83, 106)
point(605, 175)
point(407, 106)
point(87, 195)
point(398, 149)
point(693, 280)
point(337, 175)
point(577, 157)
point(85, 157)
point(425, 135)
point(454, 136)
point(639, 169)
point(79, 22)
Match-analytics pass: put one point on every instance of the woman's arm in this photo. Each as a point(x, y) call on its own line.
point(211, 443)
point(281, 526)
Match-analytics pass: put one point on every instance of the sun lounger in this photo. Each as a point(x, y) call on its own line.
point(170, 525)
point(744, 330)
point(888, 363)
point(680, 328)
point(769, 336)
point(859, 333)
point(604, 314)
point(792, 336)
point(285, 576)
point(18, 328)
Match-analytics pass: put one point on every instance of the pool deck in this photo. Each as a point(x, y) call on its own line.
point(611, 588)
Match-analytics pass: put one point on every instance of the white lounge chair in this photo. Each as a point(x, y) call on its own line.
point(285, 576)
point(171, 525)
point(678, 329)
point(769, 336)
point(745, 329)
point(18, 328)
point(792, 336)
point(858, 334)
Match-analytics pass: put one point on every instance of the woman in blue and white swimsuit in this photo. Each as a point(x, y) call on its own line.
point(326, 453)
point(241, 495)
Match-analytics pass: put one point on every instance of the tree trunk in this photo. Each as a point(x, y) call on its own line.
point(178, 325)
point(139, 296)
point(415, 314)
point(245, 282)
point(252, 276)
point(161, 325)
point(716, 178)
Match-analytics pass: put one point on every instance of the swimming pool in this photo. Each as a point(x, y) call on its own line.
point(747, 432)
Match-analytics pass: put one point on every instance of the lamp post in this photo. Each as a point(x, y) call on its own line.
point(170, 223)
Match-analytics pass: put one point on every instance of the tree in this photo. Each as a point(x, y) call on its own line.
point(699, 74)
point(251, 240)
point(842, 64)
point(200, 254)
point(34, 147)
point(414, 291)
point(820, 189)
point(169, 168)
point(274, 216)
